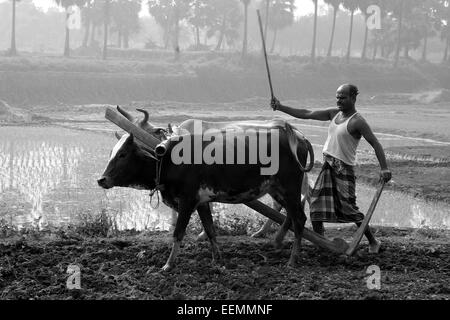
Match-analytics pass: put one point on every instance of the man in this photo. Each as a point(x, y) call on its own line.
point(333, 196)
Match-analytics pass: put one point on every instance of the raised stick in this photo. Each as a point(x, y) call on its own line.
point(362, 228)
point(265, 53)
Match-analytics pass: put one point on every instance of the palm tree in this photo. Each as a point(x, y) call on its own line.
point(313, 49)
point(443, 12)
point(282, 17)
point(363, 5)
point(350, 5)
point(106, 12)
point(66, 4)
point(427, 11)
point(13, 50)
point(244, 44)
point(398, 9)
point(335, 4)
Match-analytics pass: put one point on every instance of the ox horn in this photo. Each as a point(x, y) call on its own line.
point(125, 114)
point(118, 136)
point(146, 116)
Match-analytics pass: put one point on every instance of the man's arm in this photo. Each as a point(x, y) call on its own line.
point(321, 115)
point(363, 127)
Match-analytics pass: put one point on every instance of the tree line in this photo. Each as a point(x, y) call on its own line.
point(405, 24)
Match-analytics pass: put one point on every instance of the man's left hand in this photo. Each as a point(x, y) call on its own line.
point(386, 175)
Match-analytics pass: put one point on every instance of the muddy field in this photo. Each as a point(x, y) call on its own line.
point(414, 265)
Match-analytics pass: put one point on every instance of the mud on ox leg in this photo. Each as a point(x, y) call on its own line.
point(294, 215)
point(185, 211)
point(305, 197)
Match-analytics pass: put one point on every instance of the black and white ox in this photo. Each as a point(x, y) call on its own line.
point(163, 134)
point(190, 185)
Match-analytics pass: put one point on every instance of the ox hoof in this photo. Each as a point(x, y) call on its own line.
point(292, 263)
point(277, 246)
point(201, 237)
point(258, 234)
point(166, 268)
point(375, 247)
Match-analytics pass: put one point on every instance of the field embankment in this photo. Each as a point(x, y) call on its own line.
point(207, 77)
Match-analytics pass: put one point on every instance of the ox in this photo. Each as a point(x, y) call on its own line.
point(187, 187)
point(163, 134)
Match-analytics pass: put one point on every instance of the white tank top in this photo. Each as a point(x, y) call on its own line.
point(340, 143)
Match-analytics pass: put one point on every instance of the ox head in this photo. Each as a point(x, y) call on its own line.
point(129, 166)
point(157, 132)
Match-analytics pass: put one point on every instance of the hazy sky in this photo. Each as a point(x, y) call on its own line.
point(303, 7)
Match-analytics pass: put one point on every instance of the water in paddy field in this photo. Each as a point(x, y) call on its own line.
point(48, 177)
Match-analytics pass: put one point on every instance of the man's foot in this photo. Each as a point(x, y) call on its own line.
point(375, 247)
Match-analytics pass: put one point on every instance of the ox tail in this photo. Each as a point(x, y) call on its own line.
point(294, 139)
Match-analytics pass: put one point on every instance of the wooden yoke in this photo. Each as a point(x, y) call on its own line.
point(140, 134)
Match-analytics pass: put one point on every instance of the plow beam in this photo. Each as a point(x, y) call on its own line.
point(337, 245)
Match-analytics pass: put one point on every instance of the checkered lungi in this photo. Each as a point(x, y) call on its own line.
point(333, 197)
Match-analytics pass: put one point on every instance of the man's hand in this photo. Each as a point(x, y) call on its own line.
point(275, 104)
point(386, 175)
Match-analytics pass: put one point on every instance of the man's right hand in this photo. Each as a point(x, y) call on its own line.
point(386, 175)
point(275, 104)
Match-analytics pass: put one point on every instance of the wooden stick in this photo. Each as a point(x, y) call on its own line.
point(337, 245)
point(265, 53)
point(362, 228)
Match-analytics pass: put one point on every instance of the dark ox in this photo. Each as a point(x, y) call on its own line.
point(188, 126)
point(189, 187)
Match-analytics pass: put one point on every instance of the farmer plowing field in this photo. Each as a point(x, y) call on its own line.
point(333, 197)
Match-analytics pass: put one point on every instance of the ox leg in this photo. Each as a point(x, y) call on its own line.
point(203, 235)
point(184, 215)
point(305, 197)
point(268, 224)
point(279, 237)
point(173, 220)
point(204, 211)
point(296, 213)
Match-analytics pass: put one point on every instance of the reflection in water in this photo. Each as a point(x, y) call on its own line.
point(48, 176)
point(35, 169)
point(402, 210)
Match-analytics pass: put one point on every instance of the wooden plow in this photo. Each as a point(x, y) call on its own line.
point(336, 245)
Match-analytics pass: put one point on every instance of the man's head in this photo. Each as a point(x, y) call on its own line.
point(346, 97)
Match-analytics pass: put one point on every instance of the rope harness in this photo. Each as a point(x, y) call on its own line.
point(158, 187)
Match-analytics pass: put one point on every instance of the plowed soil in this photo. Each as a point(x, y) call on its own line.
point(414, 264)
